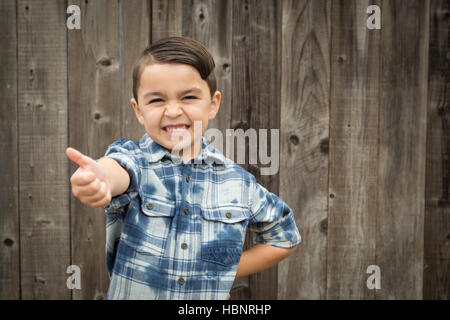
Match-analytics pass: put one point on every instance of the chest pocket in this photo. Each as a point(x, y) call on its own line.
point(223, 234)
point(150, 229)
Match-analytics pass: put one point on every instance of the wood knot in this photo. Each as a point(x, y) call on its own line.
point(97, 115)
point(8, 242)
point(240, 125)
point(323, 225)
point(105, 62)
point(39, 279)
point(226, 67)
point(294, 139)
point(324, 145)
point(342, 58)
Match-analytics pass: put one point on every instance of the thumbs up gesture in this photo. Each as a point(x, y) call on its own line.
point(89, 181)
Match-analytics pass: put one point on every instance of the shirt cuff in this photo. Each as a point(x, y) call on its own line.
point(283, 235)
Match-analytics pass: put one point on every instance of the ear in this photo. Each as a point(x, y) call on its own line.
point(215, 105)
point(137, 111)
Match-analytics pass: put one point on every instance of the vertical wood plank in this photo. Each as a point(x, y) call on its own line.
point(353, 151)
point(42, 106)
point(94, 124)
point(166, 18)
point(210, 23)
point(256, 98)
point(305, 87)
point(436, 277)
point(402, 148)
point(9, 204)
point(135, 35)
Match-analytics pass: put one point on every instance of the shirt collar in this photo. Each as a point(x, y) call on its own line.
point(156, 152)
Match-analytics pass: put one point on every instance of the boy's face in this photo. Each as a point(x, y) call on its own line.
point(171, 98)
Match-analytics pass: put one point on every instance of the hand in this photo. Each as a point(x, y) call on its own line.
point(89, 182)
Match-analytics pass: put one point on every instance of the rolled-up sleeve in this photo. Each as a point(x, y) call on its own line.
point(124, 152)
point(271, 219)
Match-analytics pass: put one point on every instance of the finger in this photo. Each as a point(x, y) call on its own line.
point(88, 190)
point(82, 178)
point(79, 158)
point(100, 192)
point(103, 201)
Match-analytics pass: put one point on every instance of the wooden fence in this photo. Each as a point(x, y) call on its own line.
point(364, 134)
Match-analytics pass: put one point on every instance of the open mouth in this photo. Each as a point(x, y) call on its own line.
point(178, 129)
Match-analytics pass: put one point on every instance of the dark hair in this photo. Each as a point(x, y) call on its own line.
point(177, 50)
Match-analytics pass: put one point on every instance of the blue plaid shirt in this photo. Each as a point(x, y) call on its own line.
point(179, 229)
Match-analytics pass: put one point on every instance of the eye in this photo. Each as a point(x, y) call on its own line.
point(190, 97)
point(155, 100)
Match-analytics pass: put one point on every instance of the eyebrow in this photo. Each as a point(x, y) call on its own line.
point(157, 93)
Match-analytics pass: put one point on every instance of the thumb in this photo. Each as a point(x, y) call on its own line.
point(85, 162)
point(79, 158)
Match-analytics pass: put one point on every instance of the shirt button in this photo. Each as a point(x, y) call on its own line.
point(186, 211)
point(228, 214)
point(149, 206)
point(181, 281)
point(183, 245)
point(188, 178)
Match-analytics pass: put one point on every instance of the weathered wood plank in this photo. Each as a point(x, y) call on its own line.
point(402, 148)
point(94, 124)
point(42, 115)
point(135, 35)
point(256, 86)
point(436, 277)
point(166, 18)
point(210, 23)
point(9, 204)
point(353, 151)
point(305, 88)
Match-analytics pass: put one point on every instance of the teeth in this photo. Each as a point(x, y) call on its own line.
point(176, 129)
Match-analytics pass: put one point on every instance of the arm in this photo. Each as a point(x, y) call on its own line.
point(117, 177)
point(261, 257)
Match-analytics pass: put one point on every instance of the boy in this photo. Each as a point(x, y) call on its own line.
point(177, 209)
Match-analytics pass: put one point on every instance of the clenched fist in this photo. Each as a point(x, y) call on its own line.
point(89, 182)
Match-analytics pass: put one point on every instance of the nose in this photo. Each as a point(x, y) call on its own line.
point(173, 110)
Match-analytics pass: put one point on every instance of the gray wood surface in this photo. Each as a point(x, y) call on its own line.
point(402, 148)
point(304, 138)
point(436, 273)
point(166, 19)
point(9, 195)
point(135, 37)
point(353, 151)
point(42, 119)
